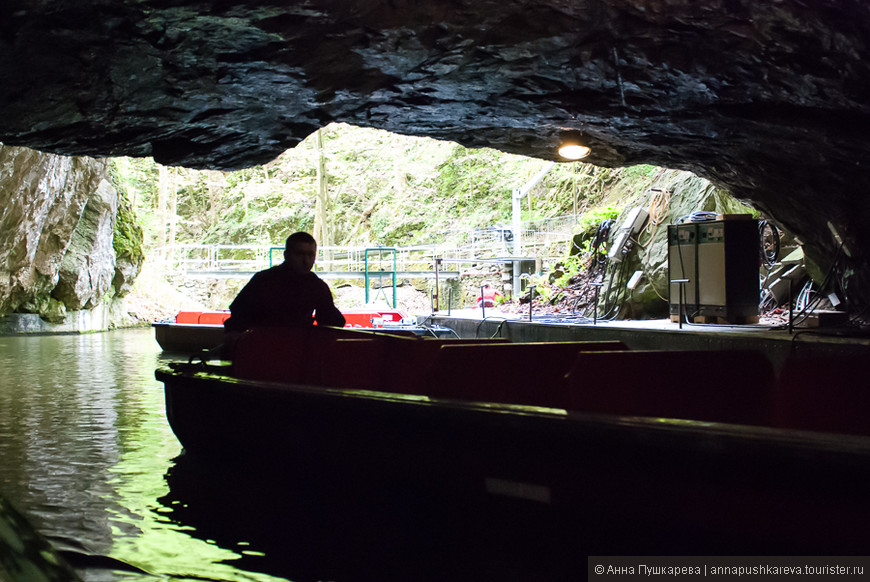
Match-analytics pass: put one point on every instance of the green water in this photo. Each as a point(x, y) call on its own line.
point(87, 455)
point(84, 453)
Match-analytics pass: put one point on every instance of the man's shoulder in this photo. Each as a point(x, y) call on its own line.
point(272, 272)
point(280, 272)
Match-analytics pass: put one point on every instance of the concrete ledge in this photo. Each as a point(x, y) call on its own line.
point(776, 344)
point(86, 321)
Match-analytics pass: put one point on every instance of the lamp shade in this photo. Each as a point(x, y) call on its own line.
point(572, 150)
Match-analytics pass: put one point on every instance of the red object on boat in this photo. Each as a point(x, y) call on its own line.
point(187, 316)
point(353, 317)
point(364, 317)
point(213, 317)
point(194, 331)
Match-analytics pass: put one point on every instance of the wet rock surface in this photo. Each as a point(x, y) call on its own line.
point(766, 98)
point(56, 232)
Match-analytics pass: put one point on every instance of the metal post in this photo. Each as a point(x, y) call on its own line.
point(516, 215)
point(680, 316)
point(449, 301)
point(437, 288)
point(531, 299)
point(595, 305)
point(482, 303)
point(516, 197)
point(790, 276)
point(682, 284)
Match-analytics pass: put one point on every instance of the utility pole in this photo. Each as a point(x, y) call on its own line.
point(517, 226)
point(321, 216)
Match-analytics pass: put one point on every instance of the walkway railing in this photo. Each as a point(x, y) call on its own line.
point(459, 247)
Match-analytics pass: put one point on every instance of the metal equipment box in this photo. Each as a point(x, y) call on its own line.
point(720, 260)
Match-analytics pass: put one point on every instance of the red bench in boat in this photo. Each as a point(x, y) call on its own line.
point(387, 363)
point(828, 393)
point(187, 317)
point(355, 318)
point(202, 317)
point(820, 393)
point(521, 373)
point(824, 393)
point(713, 386)
point(213, 317)
point(293, 355)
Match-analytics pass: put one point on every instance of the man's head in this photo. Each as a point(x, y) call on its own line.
point(300, 252)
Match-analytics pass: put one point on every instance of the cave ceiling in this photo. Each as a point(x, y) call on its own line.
point(767, 98)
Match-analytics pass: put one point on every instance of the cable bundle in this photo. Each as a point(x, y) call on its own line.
point(699, 216)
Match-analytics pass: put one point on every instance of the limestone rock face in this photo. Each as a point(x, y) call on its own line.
point(687, 193)
point(767, 98)
point(56, 232)
point(88, 265)
point(42, 204)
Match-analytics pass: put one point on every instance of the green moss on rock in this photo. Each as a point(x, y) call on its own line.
point(128, 237)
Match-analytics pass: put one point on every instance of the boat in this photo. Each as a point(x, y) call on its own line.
point(191, 332)
point(713, 454)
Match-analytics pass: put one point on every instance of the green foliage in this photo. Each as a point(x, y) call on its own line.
point(137, 179)
point(542, 290)
point(128, 237)
point(384, 189)
point(590, 220)
point(571, 267)
point(640, 172)
point(588, 225)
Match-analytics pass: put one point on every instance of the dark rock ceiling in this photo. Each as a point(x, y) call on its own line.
point(768, 98)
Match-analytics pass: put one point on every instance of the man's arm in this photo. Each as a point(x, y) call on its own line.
point(243, 308)
point(325, 312)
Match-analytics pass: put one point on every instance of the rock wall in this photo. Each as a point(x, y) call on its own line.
point(689, 193)
point(766, 98)
point(57, 229)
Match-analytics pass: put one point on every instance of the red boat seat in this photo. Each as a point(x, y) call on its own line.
point(187, 316)
point(293, 355)
point(213, 317)
point(521, 373)
point(827, 393)
point(409, 364)
point(354, 364)
point(732, 386)
point(389, 363)
point(271, 354)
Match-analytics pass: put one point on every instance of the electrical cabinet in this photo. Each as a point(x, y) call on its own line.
point(719, 260)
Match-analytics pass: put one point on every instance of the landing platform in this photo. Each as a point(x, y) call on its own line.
point(776, 342)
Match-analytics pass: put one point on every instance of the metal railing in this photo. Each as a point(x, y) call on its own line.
point(455, 246)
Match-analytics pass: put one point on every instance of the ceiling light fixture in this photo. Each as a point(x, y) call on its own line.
point(574, 151)
point(572, 147)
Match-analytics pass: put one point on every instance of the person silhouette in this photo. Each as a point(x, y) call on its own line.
point(287, 295)
point(489, 295)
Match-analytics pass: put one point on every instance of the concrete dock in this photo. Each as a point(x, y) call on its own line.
point(777, 342)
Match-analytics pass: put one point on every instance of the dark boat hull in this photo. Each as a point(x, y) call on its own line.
point(617, 485)
point(192, 338)
point(187, 338)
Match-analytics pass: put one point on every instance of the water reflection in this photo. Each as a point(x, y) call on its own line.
point(87, 454)
point(84, 450)
point(316, 524)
